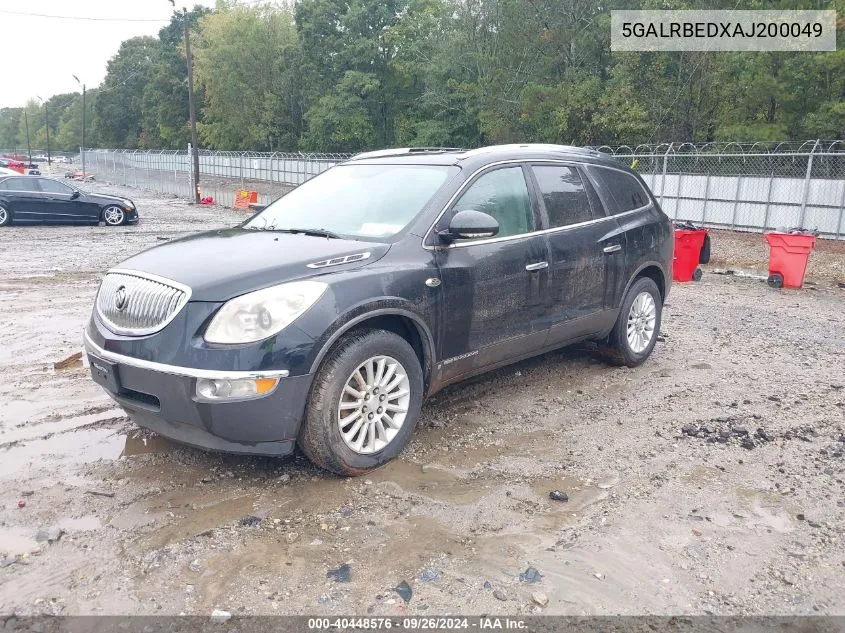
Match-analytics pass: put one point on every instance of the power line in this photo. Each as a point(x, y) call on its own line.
point(74, 17)
point(122, 83)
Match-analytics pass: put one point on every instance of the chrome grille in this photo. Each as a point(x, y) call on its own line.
point(136, 304)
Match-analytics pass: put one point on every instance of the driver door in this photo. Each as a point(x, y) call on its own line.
point(492, 289)
point(59, 205)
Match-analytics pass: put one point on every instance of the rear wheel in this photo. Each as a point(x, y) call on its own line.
point(775, 280)
point(113, 215)
point(364, 403)
point(5, 216)
point(638, 324)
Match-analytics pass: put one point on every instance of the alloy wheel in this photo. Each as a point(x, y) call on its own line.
point(4, 216)
point(113, 216)
point(374, 404)
point(641, 319)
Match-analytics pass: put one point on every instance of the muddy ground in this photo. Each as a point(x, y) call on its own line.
point(708, 480)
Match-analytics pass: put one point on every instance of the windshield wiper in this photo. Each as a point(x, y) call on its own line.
point(262, 227)
point(314, 232)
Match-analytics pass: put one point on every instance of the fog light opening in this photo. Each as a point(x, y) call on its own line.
point(238, 389)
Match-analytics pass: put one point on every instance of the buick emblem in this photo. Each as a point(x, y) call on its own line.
point(121, 299)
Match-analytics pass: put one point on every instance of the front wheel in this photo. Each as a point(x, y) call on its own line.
point(638, 324)
point(364, 403)
point(5, 216)
point(113, 215)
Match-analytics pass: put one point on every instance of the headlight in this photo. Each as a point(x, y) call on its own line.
point(263, 313)
point(127, 203)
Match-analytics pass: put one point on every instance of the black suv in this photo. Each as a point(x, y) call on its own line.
point(328, 317)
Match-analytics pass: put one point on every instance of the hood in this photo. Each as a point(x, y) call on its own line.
point(219, 265)
point(103, 199)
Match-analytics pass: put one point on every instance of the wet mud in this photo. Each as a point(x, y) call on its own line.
point(658, 520)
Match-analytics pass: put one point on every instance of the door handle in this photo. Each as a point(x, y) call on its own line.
point(613, 248)
point(537, 266)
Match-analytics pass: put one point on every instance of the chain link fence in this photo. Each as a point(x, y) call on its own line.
point(221, 173)
point(742, 186)
point(751, 187)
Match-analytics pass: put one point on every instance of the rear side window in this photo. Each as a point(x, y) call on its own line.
point(563, 194)
point(626, 190)
point(20, 184)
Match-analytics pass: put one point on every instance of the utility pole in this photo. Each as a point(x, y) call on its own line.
point(192, 108)
point(82, 149)
point(28, 147)
point(46, 127)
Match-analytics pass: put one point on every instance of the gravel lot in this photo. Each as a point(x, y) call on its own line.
point(708, 480)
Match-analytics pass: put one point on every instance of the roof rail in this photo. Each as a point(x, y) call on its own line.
point(405, 151)
point(544, 147)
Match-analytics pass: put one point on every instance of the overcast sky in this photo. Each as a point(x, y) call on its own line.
point(41, 54)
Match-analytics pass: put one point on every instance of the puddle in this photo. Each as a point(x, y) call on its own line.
point(80, 447)
point(138, 444)
point(773, 518)
point(436, 483)
point(374, 553)
point(581, 494)
point(185, 514)
point(87, 523)
point(77, 440)
point(38, 430)
point(47, 397)
point(17, 541)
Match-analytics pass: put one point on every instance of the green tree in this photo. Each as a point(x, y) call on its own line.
point(69, 137)
point(9, 127)
point(247, 63)
point(164, 103)
point(118, 113)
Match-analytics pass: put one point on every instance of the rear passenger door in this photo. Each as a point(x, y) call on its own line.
point(24, 198)
point(586, 252)
point(643, 225)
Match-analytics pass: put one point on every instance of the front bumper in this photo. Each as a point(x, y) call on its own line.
point(163, 399)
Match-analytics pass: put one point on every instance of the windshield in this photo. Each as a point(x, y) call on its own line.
point(357, 201)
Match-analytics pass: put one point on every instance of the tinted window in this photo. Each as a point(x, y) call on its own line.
point(563, 194)
point(20, 184)
point(502, 194)
point(625, 189)
point(53, 186)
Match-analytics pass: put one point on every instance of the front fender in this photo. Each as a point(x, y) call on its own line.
point(385, 306)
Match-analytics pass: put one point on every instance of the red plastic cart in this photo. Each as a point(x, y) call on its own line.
point(688, 245)
point(788, 257)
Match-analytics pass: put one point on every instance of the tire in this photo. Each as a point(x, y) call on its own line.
point(5, 216)
point(321, 437)
point(113, 215)
point(696, 274)
point(775, 280)
point(620, 350)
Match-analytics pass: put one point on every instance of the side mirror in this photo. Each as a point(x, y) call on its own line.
point(74, 195)
point(470, 225)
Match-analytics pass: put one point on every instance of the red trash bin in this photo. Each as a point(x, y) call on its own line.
point(687, 254)
point(788, 257)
